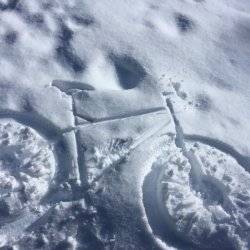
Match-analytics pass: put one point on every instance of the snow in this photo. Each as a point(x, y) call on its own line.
point(202, 215)
point(25, 152)
point(124, 124)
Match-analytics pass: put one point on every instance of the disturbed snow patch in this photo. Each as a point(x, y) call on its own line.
point(27, 166)
point(100, 158)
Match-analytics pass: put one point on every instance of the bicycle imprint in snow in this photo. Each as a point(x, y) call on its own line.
point(196, 195)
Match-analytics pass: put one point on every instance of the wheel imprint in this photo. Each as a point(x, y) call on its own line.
point(197, 194)
point(38, 168)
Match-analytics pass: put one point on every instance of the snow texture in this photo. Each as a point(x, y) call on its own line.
point(124, 124)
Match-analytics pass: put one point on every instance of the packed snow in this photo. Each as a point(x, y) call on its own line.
point(124, 124)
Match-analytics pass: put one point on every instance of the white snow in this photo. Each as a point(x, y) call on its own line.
point(123, 120)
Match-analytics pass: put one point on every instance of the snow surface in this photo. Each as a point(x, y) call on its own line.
point(124, 124)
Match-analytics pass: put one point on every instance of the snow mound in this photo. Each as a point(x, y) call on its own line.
point(27, 167)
